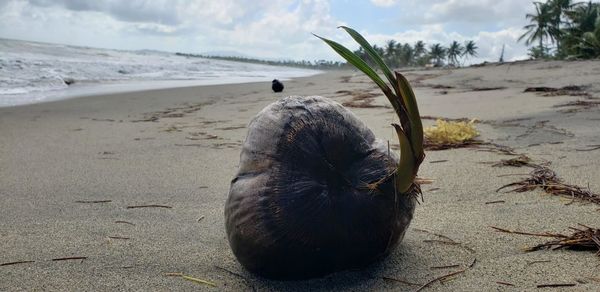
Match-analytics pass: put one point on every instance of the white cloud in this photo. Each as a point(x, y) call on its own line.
point(383, 3)
point(265, 28)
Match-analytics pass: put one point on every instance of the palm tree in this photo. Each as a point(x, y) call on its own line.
point(470, 50)
point(454, 51)
point(390, 53)
point(419, 52)
point(419, 49)
point(582, 18)
point(438, 53)
point(590, 43)
point(540, 27)
point(405, 54)
point(558, 9)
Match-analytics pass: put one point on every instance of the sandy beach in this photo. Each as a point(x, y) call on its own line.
point(111, 193)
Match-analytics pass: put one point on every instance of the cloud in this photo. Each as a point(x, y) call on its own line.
point(478, 11)
point(160, 11)
point(383, 3)
point(264, 28)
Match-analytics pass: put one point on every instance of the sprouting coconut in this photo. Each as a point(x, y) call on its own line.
point(316, 192)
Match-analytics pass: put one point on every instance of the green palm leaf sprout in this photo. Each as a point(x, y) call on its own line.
point(402, 98)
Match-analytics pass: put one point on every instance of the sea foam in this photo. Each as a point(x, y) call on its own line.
point(33, 72)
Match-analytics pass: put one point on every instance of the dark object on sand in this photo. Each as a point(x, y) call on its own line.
point(277, 86)
point(553, 89)
point(316, 193)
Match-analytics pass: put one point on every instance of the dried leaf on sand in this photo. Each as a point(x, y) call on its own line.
point(586, 238)
point(546, 179)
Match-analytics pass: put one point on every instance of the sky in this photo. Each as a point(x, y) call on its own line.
point(273, 29)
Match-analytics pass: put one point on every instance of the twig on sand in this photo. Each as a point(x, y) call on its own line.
point(548, 180)
point(505, 283)
point(94, 202)
point(149, 206)
point(189, 278)
point(446, 240)
point(581, 239)
point(16, 263)
point(124, 222)
point(401, 281)
point(118, 237)
point(444, 267)
point(556, 285)
point(69, 258)
point(495, 202)
point(445, 277)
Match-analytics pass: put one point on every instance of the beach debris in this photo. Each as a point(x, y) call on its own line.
point(200, 218)
point(69, 259)
point(585, 104)
point(572, 90)
point(441, 86)
point(276, 85)
point(546, 179)
point(519, 161)
point(444, 267)
point(435, 118)
point(449, 134)
point(495, 202)
point(118, 237)
point(445, 277)
point(68, 80)
point(497, 148)
point(149, 206)
point(556, 285)
point(488, 88)
point(192, 279)
point(587, 238)
point(400, 281)
point(439, 161)
point(360, 98)
point(444, 240)
point(124, 222)
point(505, 283)
point(93, 201)
point(15, 263)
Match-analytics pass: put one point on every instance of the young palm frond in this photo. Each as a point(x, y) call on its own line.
point(402, 98)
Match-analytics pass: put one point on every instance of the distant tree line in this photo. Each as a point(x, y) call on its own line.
point(317, 64)
point(395, 54)
point(563, 29)
point(404, 55)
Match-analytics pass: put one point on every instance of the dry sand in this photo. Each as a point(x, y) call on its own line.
point(184, 154)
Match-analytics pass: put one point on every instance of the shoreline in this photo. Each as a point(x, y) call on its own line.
point(87, 89)
point(76, 166)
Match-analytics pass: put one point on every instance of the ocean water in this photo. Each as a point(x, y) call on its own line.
point(32, 72)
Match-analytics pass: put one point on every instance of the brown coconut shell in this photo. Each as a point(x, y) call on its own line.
point(314, 193)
